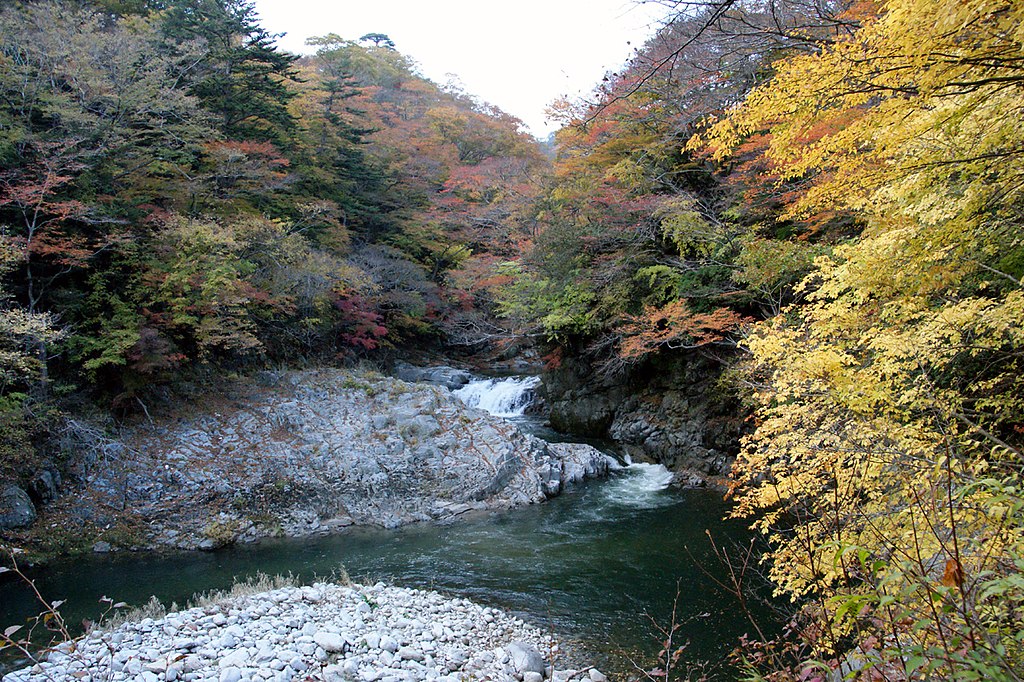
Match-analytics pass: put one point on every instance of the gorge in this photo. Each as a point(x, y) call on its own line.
point(585, 566)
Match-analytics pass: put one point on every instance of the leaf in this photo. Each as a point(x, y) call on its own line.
point(915, 662)
point(953, 576)
point(11, 630)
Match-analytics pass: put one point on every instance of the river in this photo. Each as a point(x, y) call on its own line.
point(588, 565)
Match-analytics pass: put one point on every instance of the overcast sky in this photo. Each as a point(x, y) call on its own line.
point(519, 55)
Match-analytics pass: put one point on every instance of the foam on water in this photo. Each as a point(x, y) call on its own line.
point(506, 397)
point(639, 486)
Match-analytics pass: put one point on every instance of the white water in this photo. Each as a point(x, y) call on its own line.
point(639, 486)
point(507, 397)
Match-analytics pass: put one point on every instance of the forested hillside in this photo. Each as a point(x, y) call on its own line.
point(827, 196)
point(821, 197)
point(179, 198)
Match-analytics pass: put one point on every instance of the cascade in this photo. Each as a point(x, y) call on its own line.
point(504, 397)
point(640, 486)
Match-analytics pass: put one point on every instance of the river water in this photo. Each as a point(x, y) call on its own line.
point(594, 565)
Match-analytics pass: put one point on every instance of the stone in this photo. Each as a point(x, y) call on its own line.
point(531, 676)
point(187, 646)
point(388, 643)
point(596, 675)
point(234, 659)
point(449, 377)
point(525, 658)
point(45, 485)
point(407, 653)
point(16, 508)
point(330, 642)
point(230, 675)
point(101, 547)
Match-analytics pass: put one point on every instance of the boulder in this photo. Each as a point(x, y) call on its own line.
point(45, 485)
point(16, 508)
point(525, 658)
point(323, 450)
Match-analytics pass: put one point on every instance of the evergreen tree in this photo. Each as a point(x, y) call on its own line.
point(242, 77)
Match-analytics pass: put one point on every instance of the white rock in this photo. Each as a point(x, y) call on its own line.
point(525, 658)
point(230, 675)
point(407, 653)
point(234, 659)
point(330, 642)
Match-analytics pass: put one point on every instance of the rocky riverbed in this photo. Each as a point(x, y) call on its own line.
point(323, 632)
point(303, 453)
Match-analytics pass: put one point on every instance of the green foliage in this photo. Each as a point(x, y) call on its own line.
point(240, 76)
point(771, 269)
point(562, 312)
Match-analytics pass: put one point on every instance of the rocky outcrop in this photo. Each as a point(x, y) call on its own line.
point(674, 413)
point(320, 632)
point(311, 452)
point(442, 375)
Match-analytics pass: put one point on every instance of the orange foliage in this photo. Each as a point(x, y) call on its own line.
point(676, 326)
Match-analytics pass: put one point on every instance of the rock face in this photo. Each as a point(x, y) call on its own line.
point(674, 413)
point(449, 377)
point(320, 632)
point(16, 508)
point(316, 451)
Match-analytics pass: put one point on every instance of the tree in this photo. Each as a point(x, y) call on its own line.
point(378, 40)
point(241, 76)
point(885, 467)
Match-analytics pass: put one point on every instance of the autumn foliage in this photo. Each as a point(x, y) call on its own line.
point(835, 190)
point(179, 198)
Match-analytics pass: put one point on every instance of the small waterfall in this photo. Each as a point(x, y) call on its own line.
point(507, 397)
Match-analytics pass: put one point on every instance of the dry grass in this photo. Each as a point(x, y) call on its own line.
point(252, 585)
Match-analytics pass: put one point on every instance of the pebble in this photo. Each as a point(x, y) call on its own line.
point(408, 635)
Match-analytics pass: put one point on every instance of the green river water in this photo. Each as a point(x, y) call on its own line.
point(590, 565)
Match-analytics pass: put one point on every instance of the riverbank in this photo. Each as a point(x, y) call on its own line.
point(324, 632)
point(297, 454)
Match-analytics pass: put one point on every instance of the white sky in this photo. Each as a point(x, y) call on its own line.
point(519, 55)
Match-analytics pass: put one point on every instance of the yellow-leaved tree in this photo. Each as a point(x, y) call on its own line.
point(886, 466)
